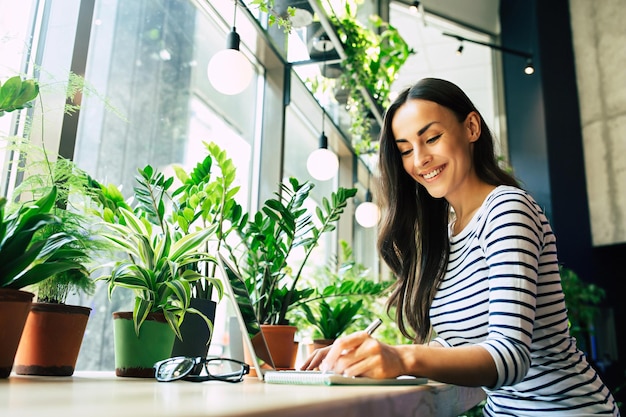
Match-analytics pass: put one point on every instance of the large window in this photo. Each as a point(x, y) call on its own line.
point(146, 100)
point(149, 59)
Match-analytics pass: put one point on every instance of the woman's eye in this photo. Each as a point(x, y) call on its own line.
point(405, 152)
point(434, 138)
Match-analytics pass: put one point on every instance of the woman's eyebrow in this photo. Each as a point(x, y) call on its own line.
point(425, 128)
point(419, 132)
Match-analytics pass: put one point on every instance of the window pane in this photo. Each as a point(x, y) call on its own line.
point(155, 105)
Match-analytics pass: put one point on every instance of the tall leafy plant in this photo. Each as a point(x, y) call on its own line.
point(37, 245)
point(72, 195)
point(270, 236)
point(206, 198)
point(157, 264)
point(39, 173)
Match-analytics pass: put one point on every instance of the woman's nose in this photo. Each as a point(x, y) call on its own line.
point(421, 157)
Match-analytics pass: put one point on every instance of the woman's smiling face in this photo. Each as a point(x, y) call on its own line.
point(435, 147)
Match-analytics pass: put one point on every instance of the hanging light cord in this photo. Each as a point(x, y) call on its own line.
point(325, 44)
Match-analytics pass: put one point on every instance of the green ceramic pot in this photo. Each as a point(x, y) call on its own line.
point(135, 355)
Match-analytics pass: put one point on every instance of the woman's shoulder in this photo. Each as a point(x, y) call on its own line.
point(511, 200)
point(507, 193)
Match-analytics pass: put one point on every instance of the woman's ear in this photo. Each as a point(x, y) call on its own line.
point(472, 126)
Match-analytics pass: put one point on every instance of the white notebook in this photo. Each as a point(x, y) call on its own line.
point(254, 340)
point(320, 378)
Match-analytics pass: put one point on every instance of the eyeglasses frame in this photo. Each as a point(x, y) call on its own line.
point(193, 373)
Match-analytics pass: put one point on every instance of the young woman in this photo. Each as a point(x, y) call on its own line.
point(476, 262)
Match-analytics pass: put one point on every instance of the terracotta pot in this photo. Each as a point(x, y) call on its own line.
point(281, 344)
point(14, 308)
point(51, 340)
point(318, 344)
point(135, 356)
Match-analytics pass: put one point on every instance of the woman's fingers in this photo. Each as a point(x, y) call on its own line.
point(315, 359)
point(342, 347)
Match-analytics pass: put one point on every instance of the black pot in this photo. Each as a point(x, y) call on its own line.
point(196, 335)
point(328, 57)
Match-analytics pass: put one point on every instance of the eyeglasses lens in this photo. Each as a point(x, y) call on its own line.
point(173, 369)
point(225, 369)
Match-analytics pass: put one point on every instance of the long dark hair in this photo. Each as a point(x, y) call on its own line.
point(413, 239)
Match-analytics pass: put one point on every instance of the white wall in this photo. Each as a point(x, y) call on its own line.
point(599, 35)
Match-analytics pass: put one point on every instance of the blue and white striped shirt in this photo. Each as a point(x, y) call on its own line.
point(502, 291)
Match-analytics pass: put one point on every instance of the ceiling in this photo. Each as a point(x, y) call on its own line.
point(481, 15)
point(436, 55)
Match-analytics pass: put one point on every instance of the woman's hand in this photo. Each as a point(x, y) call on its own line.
point(315, 359)
point(357, 354)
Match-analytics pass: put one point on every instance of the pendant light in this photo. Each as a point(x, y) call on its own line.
point(229, 71)
point(367, 213)
point(323, 163)
point(415, 7)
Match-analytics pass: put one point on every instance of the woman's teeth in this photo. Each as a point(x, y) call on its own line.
point(432, 174)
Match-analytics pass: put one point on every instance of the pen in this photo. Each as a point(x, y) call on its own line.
point(369, 330)
point(373, 326)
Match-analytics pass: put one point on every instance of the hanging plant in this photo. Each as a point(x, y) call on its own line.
point(374, 58)
point(274, 17)
point(375, 52)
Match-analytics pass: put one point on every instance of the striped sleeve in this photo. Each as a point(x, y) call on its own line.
point(512, 240)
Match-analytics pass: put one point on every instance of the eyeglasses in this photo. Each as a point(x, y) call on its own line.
point(217, 369)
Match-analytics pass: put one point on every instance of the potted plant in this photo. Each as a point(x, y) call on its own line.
point(28, 254)
point(331, 319)
point(158, 264)
point(54, 330)
point(25, 261)
point(205, 197)
point(342, 299)
point(267, 240)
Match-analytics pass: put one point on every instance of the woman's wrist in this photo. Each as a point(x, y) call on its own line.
point(410, 359)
